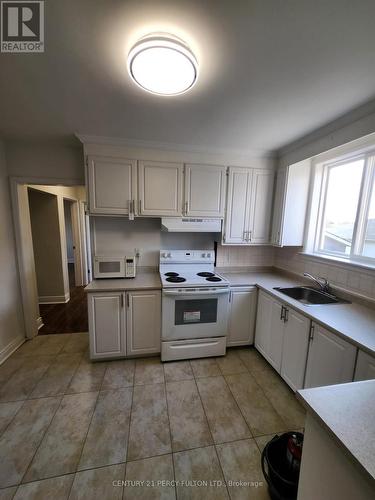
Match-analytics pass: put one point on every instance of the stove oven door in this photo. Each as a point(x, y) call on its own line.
point(195, 313)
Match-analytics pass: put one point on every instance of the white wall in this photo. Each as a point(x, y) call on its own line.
point(68, 232)
point(11, 318)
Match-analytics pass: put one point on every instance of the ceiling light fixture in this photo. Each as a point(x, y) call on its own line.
point(163, 64)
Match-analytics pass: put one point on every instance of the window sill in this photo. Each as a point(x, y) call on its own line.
point(349, 263)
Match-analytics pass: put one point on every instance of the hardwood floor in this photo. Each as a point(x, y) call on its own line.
point(66, 318)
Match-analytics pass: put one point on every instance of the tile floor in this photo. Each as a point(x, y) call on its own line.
point(134, 429)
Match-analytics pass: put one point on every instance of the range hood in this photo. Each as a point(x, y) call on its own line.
point(190, 225)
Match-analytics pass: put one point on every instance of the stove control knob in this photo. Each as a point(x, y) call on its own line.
point(203, 255)
point(169, 255)
point(208, 256)
point(164, 255)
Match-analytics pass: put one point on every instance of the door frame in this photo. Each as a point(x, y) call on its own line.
point(24, 245)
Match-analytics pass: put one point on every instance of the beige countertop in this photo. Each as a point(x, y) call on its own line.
point(347, 411)
point(142, 281)
point(353, 322)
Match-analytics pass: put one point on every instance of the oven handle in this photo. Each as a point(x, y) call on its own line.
point(196, 292)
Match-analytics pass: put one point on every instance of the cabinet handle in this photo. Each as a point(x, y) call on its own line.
point(122, 300)
point(312, 330)
point(139, 206)
point(186, 207)
point(127, 300)
point(286, 315)
point(250, 233)
point(244, 236)
point(282, 313)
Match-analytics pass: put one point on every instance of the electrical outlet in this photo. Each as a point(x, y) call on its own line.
point(137, 252)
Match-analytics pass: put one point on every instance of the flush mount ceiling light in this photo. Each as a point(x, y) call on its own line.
point(163, 64)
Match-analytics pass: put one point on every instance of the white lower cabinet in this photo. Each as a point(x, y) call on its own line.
point(282, 337)
point(365, 368)
point(124, 323)
point(331, 359)
point(143, 322)
point(242, 316)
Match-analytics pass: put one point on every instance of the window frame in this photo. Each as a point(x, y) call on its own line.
point(322, 171)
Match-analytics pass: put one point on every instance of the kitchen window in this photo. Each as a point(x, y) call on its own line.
point(346, 217)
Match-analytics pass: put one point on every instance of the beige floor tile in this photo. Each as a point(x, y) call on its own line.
point(43, 345)
point(78, 342)
point(61, 447)
point(30, 347)
point(99, 484)
point(206, 367)
point(7, 412)
point(282, 399)
point(261, 441)
point(150, 472)
point(252, 359)
point(189, 427)
point(240, 461)
point(107, 439)
point(231, 363)
point(88, 376)
point(9, 367)
point(178, 370)
point(224, 417)
point(196, 466)
point(58, 376)
point(119, 374)
point(23, 381)
point(149, 426)
point(57, 488)
point(148, 371)
point(21, 439)
point(8, 493)
point(259, 414)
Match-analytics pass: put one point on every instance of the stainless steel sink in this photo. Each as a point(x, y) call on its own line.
point(310, 296)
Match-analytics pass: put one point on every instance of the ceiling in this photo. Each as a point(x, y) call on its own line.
point(270, 72)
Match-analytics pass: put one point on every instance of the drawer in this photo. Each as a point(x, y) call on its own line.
point(189, 349)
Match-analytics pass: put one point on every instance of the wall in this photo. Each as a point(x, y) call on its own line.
point(237, 256)
point(45, 230)
point(68, 231)
point(11, 317)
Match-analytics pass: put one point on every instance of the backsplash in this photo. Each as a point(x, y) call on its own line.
point(237, 256)
point(359, 281)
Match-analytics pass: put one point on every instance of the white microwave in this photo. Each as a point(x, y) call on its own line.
point(114, 267)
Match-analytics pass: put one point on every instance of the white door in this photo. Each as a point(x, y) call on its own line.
point(275, 347)
point(242, 316)
point(365, 369)
point(160, 188)
point(261, 206)
point(112, 185)
point(295, 347)
point(263, 324)
point(143, 322)
point(204, 191)
point(278, 208)
point(106, 325)
point(238, 205)
point(331, 359)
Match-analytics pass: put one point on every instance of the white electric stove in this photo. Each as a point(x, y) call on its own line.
point(195, 305)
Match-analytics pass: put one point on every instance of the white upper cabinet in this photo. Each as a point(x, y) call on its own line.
point(111, 185)
point(365, 369)
point(261, 206)
point(242, 315)
point(249, 204)
point(331, 359)
point(290, 205)
point(160, 188)
point(204, 191)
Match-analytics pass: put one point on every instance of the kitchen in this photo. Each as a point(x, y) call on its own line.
point(232, 288)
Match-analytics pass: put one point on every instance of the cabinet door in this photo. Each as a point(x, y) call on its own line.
point(242, 316)
point(160, 188)
point(275, 347)
point(365, 369)
point(278, 207)
point(106, 325)
point(111, 185)
point(261, 205)
point(263, 323)
point(238, 206)
point(143, 322)
point(204, 191)
point(295, 347)
point(331, 359)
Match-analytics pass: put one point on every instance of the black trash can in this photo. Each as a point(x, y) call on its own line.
point(282, 479)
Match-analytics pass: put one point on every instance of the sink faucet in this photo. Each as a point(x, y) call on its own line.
point(322, 282)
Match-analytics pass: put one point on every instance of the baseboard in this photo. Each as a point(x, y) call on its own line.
point(54, 299)
point(10, 348)
point(39, 322)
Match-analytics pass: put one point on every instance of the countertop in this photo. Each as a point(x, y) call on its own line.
point(142, 281)
point(347, 411)
point(353, 322)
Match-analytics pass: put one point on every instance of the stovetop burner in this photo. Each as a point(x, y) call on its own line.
point(213, 278)
point(175, 279)
point(171, 274)
point(206, 274)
